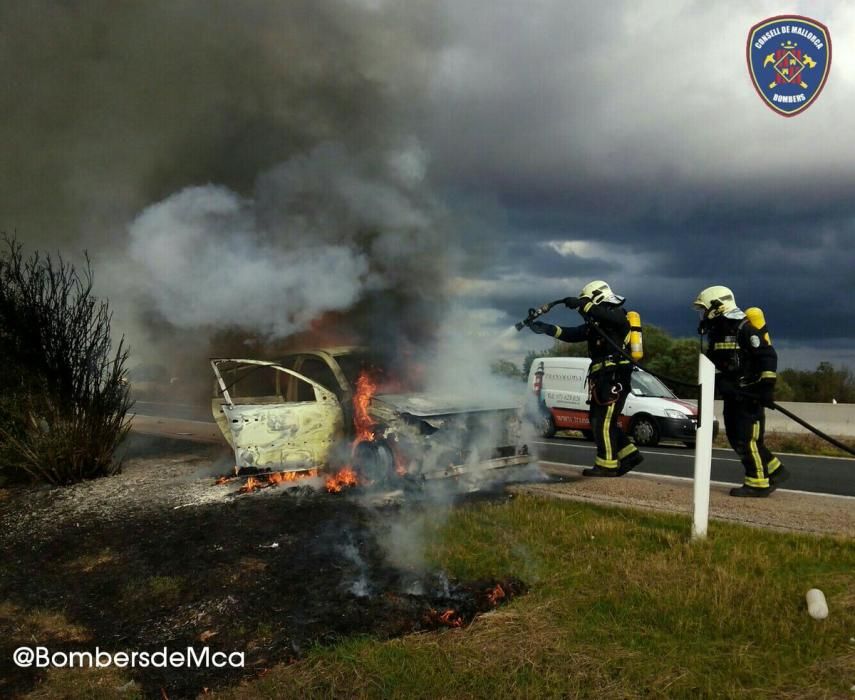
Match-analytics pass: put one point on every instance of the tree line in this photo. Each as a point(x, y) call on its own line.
point(677, 358)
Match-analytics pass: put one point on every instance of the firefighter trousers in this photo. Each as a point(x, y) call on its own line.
point(608, 396)
point(745, 424)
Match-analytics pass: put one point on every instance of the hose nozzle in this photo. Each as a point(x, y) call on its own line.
point(533, 314)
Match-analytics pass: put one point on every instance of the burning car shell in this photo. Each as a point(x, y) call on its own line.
point(297, 413)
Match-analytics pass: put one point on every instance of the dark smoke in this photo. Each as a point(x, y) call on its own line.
point(112, 110)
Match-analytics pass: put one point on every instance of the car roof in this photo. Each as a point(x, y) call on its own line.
point(335, 351)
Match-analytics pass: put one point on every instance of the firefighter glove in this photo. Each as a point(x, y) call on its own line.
point(572, 302)
point(540, 327)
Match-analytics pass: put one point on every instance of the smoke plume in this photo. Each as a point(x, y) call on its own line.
point(204, 123)
point(322, 232)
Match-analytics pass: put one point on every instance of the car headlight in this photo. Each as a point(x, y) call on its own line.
point(673, 413)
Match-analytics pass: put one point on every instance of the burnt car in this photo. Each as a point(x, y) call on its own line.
point(320, 409)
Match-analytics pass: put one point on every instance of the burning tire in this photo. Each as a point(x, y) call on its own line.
point(374, 462)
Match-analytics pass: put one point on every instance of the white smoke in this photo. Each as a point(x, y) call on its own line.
point(321, 231)
point(459, 363)
point(207, 265)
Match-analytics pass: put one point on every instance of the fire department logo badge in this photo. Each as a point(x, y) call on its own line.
point(789, 57)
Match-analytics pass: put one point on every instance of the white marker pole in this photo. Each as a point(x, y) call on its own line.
point(703, 448)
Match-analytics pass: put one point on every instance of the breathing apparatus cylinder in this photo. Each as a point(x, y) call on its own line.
point(757, 319)
point(636, 347)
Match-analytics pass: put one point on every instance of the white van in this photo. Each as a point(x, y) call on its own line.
point(559, 390)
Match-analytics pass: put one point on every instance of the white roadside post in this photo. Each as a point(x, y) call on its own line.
point(703, 448)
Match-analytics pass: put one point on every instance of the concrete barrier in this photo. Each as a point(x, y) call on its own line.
point(833, 419)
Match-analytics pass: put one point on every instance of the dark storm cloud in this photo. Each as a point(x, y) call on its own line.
point(635, 126)
point(629, 126)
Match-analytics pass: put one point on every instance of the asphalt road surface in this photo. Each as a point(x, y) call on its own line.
point(184, 411)
point(815, 474)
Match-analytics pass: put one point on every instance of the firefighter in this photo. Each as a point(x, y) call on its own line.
point(739, 346)
point(608, 376)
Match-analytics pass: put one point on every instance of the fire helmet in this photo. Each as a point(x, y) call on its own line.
point(715, 301)
point(599, 291)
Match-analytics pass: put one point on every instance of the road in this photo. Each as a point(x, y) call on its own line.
point(814, 474)
point(830, 475)
point(184, 411)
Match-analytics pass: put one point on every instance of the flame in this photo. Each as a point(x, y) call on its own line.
point(261, 481)
point(497, 594)
point(400, 463)
point(277, 478)
point(346, 477)
point(450, 618)
point(363, 423)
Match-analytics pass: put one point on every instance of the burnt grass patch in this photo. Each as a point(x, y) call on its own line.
point(267, 576)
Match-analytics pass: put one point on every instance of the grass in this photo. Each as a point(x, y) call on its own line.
point(797, 443)
point(154, 592)
point(621, 605)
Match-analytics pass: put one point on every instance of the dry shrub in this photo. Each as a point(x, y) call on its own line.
point(63, 391)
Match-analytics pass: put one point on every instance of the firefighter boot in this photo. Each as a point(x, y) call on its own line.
point(630, 462)
point(779, 476)
point(600, 471)
point(751, 492)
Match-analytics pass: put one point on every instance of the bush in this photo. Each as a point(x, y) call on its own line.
point(63, 392)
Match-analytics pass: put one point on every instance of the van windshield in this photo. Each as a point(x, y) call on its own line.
point(644, 384)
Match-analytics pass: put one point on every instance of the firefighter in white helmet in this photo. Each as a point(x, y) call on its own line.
point(609, 374)
point(741, 349)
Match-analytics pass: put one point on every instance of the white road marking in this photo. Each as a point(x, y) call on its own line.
point(648, 475)
point(644, 450)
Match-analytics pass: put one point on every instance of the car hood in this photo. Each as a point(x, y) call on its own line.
point(422, 405)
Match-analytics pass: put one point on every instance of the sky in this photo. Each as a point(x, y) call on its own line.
point(514, 150)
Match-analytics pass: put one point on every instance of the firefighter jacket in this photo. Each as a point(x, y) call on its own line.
point(742, 353)
point(611, 320)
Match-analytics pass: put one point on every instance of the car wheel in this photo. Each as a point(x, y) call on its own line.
point(588, 434)
point(546, 426)
point(373, 462)
point(644, 431)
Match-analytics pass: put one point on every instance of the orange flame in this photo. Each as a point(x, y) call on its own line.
point(261, 481)
point(346, 477)
point(497, 594)
point(451, 618)
point(363, 423)
point(400, 463)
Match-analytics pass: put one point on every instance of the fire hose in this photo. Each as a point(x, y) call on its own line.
point(540, 311)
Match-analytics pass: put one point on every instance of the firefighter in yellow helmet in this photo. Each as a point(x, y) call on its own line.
point(608, 376)
point(739, 346)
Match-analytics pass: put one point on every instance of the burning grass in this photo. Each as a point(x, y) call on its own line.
point(124, 565)
point(621, 605)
